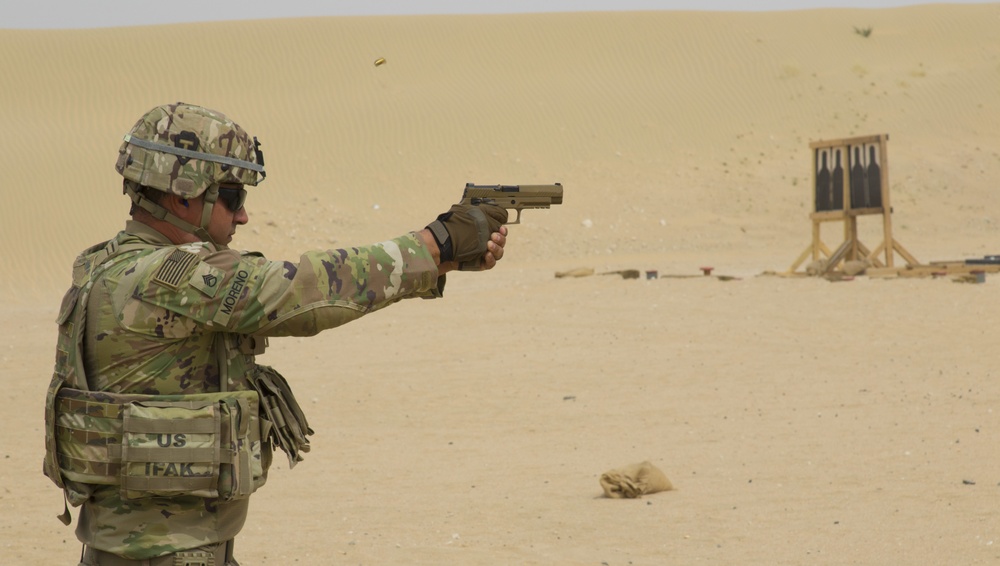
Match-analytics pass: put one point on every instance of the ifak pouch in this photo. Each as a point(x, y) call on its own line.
point(206, 445)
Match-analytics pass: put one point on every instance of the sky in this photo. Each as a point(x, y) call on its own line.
point(55, 14)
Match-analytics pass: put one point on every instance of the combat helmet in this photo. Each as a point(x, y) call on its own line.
point(188, 151)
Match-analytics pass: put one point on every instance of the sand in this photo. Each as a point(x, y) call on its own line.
point(801, 420)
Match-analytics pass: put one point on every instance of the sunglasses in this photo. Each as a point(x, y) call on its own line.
point(233, 198)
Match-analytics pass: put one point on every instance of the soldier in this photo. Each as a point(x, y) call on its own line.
point(159, 423)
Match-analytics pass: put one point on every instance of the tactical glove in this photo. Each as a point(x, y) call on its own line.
point(463, 232)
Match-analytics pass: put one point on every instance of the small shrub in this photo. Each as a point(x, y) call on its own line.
point(863, 32)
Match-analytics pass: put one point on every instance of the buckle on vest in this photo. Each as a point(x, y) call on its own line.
point(252, 345)
point(194, 558)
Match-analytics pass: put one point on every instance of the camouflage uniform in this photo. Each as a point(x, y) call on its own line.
point(149, 317)
point(144, 336)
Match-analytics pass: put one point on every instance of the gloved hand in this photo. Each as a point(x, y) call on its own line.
point(463, 231)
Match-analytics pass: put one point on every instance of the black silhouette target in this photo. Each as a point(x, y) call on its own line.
point(860, 164)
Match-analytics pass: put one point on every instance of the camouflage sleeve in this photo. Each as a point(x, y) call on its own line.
point(248, 294)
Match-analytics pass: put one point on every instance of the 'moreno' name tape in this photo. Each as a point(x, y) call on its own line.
point(232, 296)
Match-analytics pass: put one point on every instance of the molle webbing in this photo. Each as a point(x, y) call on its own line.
point(88, 436)
point(206, 445)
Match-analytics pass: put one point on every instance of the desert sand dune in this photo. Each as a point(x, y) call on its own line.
point(801, 421)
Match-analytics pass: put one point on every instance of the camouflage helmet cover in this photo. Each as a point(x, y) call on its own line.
point(185, 149)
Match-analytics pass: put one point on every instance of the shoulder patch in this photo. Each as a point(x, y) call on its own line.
point(174, 269)
point(207, 279)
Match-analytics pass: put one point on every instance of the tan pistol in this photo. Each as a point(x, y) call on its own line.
point(516, 197)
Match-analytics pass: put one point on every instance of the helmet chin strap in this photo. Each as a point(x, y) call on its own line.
point(161, 213)
point(208, 197)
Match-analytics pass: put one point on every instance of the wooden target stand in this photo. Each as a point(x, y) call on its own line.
point(851, 180)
